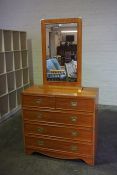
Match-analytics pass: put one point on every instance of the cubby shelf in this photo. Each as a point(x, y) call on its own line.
point(14, 70)
point(2, 63)
point(17, 60)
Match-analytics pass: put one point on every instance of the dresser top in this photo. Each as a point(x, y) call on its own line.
point(62, 91)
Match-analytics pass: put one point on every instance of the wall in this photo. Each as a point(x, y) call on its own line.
point(99, 36)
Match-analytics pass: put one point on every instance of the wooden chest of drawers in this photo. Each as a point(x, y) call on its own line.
point(60, 122)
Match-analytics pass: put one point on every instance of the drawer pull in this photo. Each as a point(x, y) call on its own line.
point(74, 103)
point(39, 116)
point(74, 148)
point(75, 133)
point(40, 142)
point(40, 129)
point(73, 118)
point(38, 101)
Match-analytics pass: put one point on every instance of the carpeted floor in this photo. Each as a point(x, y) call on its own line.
point(13, 160)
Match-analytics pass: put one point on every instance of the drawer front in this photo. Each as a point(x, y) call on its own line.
point(38, 101)
point(59, 131)
point(59, 117)
point(55, 144)
point(75, 104)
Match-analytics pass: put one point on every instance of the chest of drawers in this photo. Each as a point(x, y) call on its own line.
point(60, 122)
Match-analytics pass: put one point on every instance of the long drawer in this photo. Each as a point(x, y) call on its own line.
point(55, 144)
point(38, 101)
point(70, 118)
point(79, 104)
point(74, 133)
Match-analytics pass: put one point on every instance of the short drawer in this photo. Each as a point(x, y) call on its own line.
point(38, 101)
point(55, 144)
point(67, 118)
point(74, 133)
point(80, 104)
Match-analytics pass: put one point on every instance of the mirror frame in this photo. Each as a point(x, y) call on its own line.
point(78, 21)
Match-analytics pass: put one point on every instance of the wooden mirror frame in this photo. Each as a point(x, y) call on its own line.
point(45, 22)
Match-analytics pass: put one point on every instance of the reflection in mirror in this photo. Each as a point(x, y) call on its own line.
point(61, 52)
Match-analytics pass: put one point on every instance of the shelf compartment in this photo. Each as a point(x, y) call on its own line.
point(18, 75)
point(23, 40)
point(9, 61)
point(16, 40)
point(17, 60)
point(19, 96)
point(7, 40)
point(12, 100)
point(2, 63)
point(3, 86)
point(1, 40)
point(4, 105)
point(24, 58)
point(25, 76)
point(11, 81)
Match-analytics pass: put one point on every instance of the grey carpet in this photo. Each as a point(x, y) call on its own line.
point(13, 160)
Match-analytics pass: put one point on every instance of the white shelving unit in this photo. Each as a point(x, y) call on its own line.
point(14, 70)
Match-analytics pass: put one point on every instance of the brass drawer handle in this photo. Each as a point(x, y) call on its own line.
point(74, 118)
point(75, 133)
point(38, 101)
point(74, 148)
point(40, 142)
point(74, 103)
point(40, 129)
point(39, 116)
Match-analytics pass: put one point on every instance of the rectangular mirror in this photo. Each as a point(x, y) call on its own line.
point(62, 51)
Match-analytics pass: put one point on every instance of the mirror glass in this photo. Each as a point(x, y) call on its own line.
point(61, 52)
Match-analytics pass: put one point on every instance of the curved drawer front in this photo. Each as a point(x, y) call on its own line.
point(75, 104)
point(59, 117)
point(80, 148)
point(38, 101)
point(83, 134)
